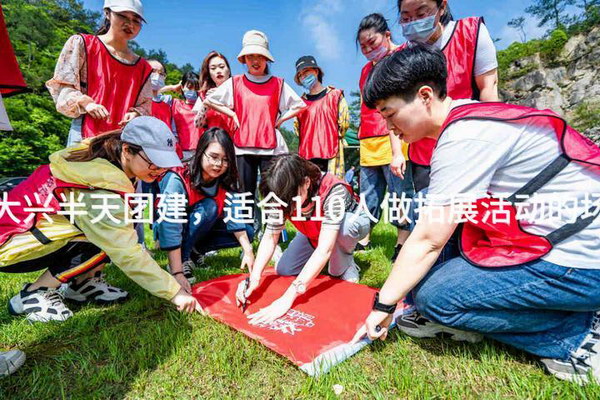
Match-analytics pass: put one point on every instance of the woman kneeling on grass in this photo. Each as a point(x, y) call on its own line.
point(69, 218)
point(205, 183)
point(531, 281)
point(332, 238)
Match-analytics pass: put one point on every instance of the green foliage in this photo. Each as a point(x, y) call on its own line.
point(290, 138)
point(550, 11)
point(552, 46)
point(586, 115)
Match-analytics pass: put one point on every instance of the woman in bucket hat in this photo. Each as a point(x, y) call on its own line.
point(98, 80)
point(321, 126)
point(69, 219)
point(258, 103)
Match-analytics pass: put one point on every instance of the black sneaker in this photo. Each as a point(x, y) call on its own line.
point(583, 366)
point(396, 252)
point(362, 247)
point(416, 325)
point(187, 268)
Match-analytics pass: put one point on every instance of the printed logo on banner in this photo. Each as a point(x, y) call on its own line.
point(292, 322)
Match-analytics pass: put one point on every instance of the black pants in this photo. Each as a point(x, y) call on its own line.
point(66, 263)
point(322, 163)
point(248, 166)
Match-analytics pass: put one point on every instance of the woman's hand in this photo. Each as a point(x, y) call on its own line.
point(183, 282)
point(128, 117)
point(398, 166)
point(186, 302)
point(376, 326)
point(242, 293)
point(97, 111)
point(236, 121)
point(277, 309)
point(247, 260)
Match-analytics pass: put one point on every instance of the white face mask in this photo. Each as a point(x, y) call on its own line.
point(157, 81)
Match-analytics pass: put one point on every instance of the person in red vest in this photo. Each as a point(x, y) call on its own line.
point(69, 219)
point(321, 126)
point(183, 117)
point(259, 103)
point(472, 63)
point(205, 182)
point(528, 275)
point(99, 81)
point(215, 71)
point(328, 230)
point(377, 143)
point(161, 103)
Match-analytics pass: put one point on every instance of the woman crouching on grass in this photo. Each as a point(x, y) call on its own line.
point(331, 238)
point(204, 182)
point(79, 223)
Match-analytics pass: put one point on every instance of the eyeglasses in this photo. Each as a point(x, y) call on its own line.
point(151, 165)
point(216, 160)
point(134, 21)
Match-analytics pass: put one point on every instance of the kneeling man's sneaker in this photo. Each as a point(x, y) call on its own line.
point(40, 305)
point(94, 289)
point(583, 366)
point(416, 325)
point(10, 361)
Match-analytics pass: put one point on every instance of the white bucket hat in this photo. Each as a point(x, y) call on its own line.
point(255, 42)
point(126, 5)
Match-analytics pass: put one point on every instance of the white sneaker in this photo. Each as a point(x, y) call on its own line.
point(10, 361)
point(352, 274)
point(416, 325)
point(583, 366)
point(94, 289)
point(41, 305)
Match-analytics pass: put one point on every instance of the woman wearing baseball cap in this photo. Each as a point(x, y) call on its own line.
point(258, 103)
point(321, 126)
point(98, 80)
point(69, 219)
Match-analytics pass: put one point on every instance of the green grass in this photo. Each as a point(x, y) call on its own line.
point(145, 349)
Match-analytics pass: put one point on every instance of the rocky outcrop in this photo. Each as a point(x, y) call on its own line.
point(561, 84)
point(594, 134)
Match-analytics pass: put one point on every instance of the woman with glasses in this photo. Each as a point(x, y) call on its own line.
point(208, 182)
point(70, 218)
point(98, 80)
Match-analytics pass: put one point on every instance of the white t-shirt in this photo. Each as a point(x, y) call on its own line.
point(485, 57)
point(477, 157)
point(289, 100)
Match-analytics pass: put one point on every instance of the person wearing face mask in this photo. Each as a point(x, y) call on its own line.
point(472, 63)
point(161, 103)
point(214, 72)
point(183, 117)
point(98, 80)
point(321, 126)
point(377, 143)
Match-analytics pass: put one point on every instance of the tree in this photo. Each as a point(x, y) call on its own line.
point(550, 11)
point(519, 25)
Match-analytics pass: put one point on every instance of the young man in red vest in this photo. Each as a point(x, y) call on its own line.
point(532, 282)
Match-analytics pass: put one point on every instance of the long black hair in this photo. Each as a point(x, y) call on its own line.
point(444, 19)
point(230, 179)
point(375, 21)
point(105, 27)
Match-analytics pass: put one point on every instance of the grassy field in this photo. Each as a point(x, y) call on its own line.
point(145, 349)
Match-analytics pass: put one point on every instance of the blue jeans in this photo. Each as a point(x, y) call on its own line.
point(211, 233)
point(540, 307)
point(373, 184)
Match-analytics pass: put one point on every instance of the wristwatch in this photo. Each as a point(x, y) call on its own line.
point(386, 308)
point(299, 286)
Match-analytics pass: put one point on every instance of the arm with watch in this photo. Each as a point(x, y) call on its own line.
point(419, 253)
point(311, 269)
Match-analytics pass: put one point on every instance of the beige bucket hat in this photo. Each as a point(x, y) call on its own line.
point(255, 42)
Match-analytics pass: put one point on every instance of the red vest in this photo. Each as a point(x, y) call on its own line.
point(312, 229)
point(11, 79)
point(162, 111)
point(372, 124)
point(43, 191)
point(183, 117)
point(194, 196)
point(490, 244)
point(460, 52)
point(215, 119)
point(319, 129)
point(111, 83)
point(256, 106)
